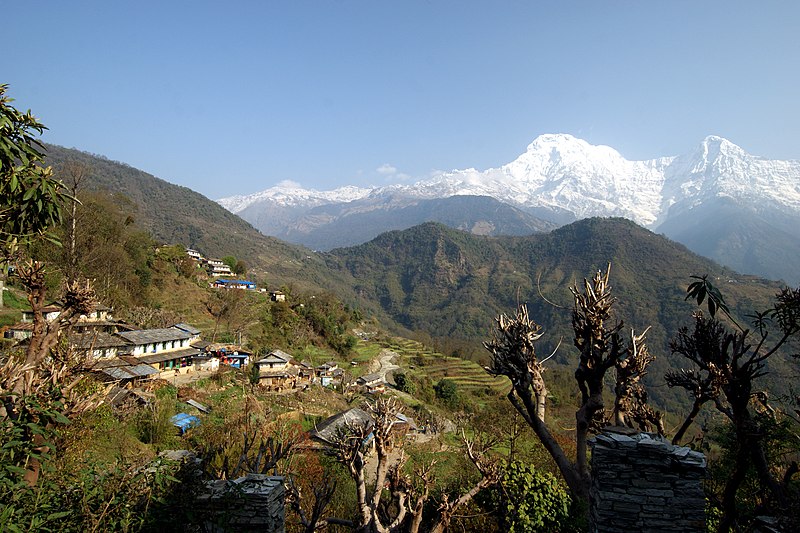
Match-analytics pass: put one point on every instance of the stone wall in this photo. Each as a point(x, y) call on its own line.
point(254, 502)
point(641, 482)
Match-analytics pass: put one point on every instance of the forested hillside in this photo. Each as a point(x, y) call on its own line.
point(450, 284)
point(177, 215)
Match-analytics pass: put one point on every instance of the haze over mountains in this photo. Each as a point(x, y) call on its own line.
point(738, 209)
point(433, 280)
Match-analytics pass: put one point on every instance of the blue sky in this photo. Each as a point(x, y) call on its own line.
point(235, 97)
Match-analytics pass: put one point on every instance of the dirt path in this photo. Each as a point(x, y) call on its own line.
point(384, 364)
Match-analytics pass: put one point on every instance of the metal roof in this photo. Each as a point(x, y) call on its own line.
point(167, 356)
point(149, 336)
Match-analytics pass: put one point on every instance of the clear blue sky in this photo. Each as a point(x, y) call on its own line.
point(234, 97)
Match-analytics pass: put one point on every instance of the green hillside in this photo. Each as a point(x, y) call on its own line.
point(177, 215)
point(448, 283)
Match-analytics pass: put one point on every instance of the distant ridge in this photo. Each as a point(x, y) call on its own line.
point(451, 284)
point(561, 178)
point(178, 215)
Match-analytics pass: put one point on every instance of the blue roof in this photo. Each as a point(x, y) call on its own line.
point(185, 421)
point(236, 281)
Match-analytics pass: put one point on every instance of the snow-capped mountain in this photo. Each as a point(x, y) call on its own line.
point(290, 195)
point(561, 178)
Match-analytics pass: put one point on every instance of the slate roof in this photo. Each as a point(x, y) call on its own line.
point(187, 328)
point(149, 336)
point(275, 356)
point(120, 360)
point(326, 430)
point(200, 345)
point(97, 340)
point(129, 372)
point(370, 378)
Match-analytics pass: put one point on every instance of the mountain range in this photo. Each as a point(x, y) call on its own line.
point(439, 284)
point(741, 210)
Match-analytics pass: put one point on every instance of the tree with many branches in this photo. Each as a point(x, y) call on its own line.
point(396, 500)
point(726, 364)
point(599, 340)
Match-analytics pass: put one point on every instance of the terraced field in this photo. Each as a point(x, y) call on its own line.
point(470, 377)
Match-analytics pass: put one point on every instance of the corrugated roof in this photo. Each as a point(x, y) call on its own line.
point(185, 421)
point(149, 336)
point(199, 406)
point(167, 356)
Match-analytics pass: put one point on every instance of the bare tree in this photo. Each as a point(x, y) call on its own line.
point(599, 341)
point(73, 173)
point(402, 510)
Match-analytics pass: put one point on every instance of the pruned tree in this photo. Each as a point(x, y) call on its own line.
point(599, 340)
point(726, 364)
point(248, 443)
point(407, 494)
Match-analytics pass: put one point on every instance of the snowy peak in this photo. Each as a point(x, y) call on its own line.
point(290, 194)
point(562, 173)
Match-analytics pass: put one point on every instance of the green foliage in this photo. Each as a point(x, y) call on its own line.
point(30, 198)
point(153, 422)
point(230, 261)
point(240, 268)
point(318, 319)
point(27, 436)
point(120, 496)
point(109, 249)
point(530, 500)
point(703, 288)
point(403, 383)
point(447, 391)
point(253, 373)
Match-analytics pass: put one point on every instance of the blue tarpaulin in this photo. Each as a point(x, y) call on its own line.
point(184, 421)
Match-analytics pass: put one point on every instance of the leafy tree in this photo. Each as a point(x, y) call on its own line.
point(531, 500)
point(240, 268)
point(403, 383)
point(727, 363)
point(447, 391)
point(30, 197)
point(230, 261)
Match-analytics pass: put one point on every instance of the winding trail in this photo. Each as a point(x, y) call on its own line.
point(384, 364)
